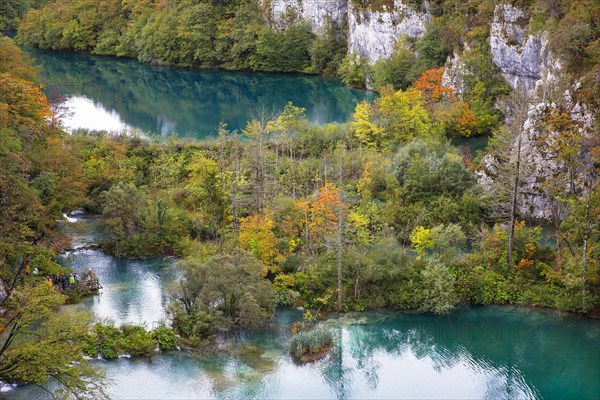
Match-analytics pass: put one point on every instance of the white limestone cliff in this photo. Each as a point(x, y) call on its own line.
point(315, 11)
point(374, 34)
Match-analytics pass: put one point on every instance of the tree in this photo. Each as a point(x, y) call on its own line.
point(328, 49)
point(438, 287)
point(257, 237)
point(432, 51)
point(22, 105)
point(322, 215)
point(13, 61)
point(508, 150)
point(564, 138)
point(124, 206)
point(355, 70)
point(365, 130)
point(421, 240)
point(228, 286)
point(38, 344)
point(402, 114)
point(431, 87)
point(396, 71)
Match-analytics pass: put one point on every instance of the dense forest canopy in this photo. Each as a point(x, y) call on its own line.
point(381, 211)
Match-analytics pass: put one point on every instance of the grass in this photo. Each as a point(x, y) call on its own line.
point(311, 345)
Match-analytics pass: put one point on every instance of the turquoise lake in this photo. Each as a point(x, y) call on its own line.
point(473, 353)
point(106, 93)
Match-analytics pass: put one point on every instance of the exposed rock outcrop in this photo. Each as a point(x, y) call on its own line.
point(524, 59)
point(526, 63)
point(374, 34)
point(3, 290)
point(315, 11)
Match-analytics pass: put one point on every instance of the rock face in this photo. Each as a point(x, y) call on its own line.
point(315, 11)
point(524, 60)
point(3, 290)
point(537, 165)
point(526, 63)
point(374, 34)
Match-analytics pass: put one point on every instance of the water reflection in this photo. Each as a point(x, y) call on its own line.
point(133, 290)
point(127, 94)
point(84, 113)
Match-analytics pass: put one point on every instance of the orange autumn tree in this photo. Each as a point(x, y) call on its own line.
point(463, 120)
point(321, 215)
point(430, 85)
point(457, 114)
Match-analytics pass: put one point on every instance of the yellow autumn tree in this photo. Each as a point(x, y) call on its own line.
point(257, 237)
point(365, 130)
point(402, 114)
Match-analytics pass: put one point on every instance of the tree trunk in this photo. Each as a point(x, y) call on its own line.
point(340, 241)
point(513, 206)
point(584, 255)
point(339, 263)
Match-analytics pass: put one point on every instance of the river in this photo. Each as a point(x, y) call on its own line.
point(473, 353)
point(107, 93)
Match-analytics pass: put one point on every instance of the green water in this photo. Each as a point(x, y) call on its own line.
point(473, 353)
point(116, 94)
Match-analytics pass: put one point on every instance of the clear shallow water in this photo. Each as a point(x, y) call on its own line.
point(474, 353)
point(116, 94)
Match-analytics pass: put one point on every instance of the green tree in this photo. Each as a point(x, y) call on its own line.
point(123, 210)
point(438, 287)
point(397, 71)
point(328, 49)
point(228, 286)
point(38, 344)
point(355, 70)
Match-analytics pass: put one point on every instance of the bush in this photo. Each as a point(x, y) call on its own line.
point(164, 337)
point(136, 341)
point(110, 341)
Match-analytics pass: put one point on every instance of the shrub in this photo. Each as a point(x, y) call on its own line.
point(136, 341)
point(164, 337)
point(438, 287)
